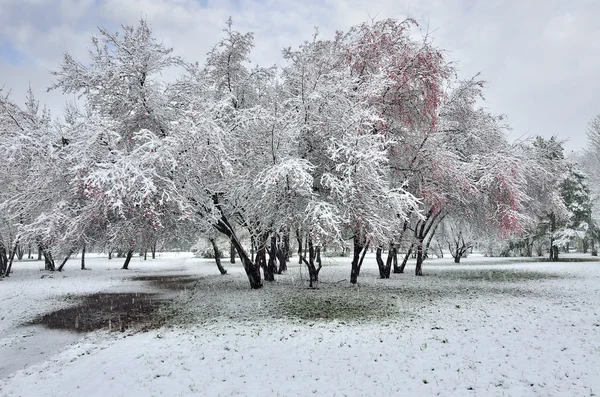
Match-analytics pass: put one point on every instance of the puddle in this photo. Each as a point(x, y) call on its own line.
point(173, 283)
point(111, 311)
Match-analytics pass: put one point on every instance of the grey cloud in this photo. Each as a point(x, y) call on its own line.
point(539, 57)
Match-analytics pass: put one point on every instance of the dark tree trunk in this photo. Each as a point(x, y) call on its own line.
point(593, 247)
point(217, 252)
point(10, 261)
point(127, 259)
point(419, 267)
point(145, 254)
point(153, 248)
point(585, 245)
point(553, 247)
point(424, 234)
point(39, 254)
point(314, 259)
point(109, 254)
point(457, 258)
point(83, 257)
point(299, 238)
point(380, 265)
point(252, 271)
point(305, 247)
point(48, 261)
point(282, 253)
point(261, 252)
point(231, 253)
point(405, 259)
point(29, 252)
point(360, 250)
point(286, 246)
point(554, 253)
point(261, 259)
point(529, 247)
point(272, 263)
point(391, 259)
point(64, 261)
point(20, 252)
point(3, 260)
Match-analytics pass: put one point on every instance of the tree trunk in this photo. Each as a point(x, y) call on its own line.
point(231, 253)
point(360, 250)
point(153, 248)
point(83, 257)
point(282, 253)
point(10, 261)
point(3, 260)
point(109, 254)
point(20, 252)
point(314, 256)
point(419, 267)
point(299, 238)
point(529, 247)
point(127, 259)
point(39, 254)
point(554, 253)
point(29, 252)
point(48, 261)
point(145, 254)
point(252, 271)
point(405, 259)
point(252, 248)
point(217, 252)
point(286, 246)
point(380, 264)
point(62, 264)
point(593, 247)
point(272, 263)
point(261, 258)
point(457, 258)
point(392, 258)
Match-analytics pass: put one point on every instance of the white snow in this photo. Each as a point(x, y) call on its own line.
point(482, 328)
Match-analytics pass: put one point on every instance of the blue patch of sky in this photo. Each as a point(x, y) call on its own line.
point(11, 55)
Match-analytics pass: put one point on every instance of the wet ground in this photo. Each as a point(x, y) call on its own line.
point(111, 311)
point(172, 283)
point(120, 311)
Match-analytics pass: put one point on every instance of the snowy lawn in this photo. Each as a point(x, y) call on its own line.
point(487, 327)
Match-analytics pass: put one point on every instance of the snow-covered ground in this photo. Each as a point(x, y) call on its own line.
point(487, 327)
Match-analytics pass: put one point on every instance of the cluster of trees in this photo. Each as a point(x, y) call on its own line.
point(366, 139)
point(557, 227)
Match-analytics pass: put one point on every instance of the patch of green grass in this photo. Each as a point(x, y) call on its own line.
point(570, 260)
point(497, 275)
point(348, 306)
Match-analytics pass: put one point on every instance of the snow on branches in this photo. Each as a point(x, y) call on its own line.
point(357, 136)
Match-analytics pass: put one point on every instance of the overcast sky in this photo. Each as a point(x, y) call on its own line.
point(541, 58)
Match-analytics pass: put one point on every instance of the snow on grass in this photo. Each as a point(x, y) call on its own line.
point(484, 327)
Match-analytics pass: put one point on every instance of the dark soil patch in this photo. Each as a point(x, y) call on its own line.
point(116, 312)
point(173, 283)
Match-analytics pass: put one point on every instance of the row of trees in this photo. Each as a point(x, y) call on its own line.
point(365, 139)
